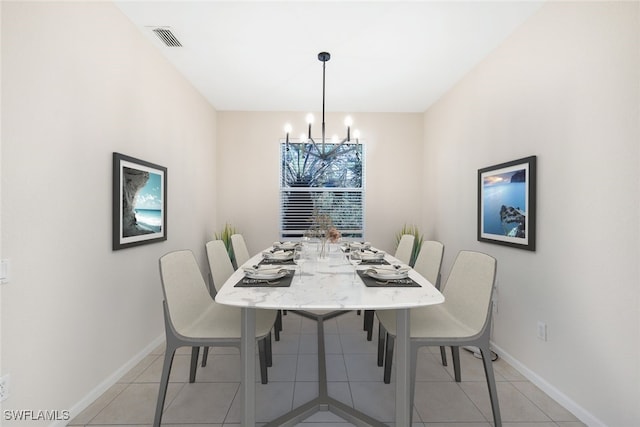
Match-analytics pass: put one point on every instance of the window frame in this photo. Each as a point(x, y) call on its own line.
point(315, 192)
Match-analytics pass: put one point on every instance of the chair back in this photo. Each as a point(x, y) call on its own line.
point(405, 248)
point(240, 252)
point(220, 265)
point(184, 289)
point(469, 289)
point(429, 261)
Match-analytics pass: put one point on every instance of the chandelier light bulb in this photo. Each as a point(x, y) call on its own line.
point(303, 137)
point(310, 118)
point(335, 139)
point(356, 134)
point(348, 121)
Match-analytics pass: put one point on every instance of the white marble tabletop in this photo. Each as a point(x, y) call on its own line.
point(328, 285)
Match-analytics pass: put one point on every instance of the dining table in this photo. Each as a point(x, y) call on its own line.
point(322, 288)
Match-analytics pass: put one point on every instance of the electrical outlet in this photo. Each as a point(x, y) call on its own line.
point(4, 387)
point(4, 271)
point(542, 331)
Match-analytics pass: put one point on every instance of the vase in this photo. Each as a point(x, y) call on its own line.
point(323, 250)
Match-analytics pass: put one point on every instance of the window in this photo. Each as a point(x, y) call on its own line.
point(318, 179)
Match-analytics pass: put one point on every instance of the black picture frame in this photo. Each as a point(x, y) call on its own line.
point(507, 204)
point(139, 202)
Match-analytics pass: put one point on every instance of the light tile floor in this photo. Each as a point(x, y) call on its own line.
point(353, 377)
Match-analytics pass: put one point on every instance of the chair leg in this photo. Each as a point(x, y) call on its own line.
point(381, 340)
point(262, 356)
point(278, 325)
point(388, 358)
point(491, 384)
point(268, 351)
point(195, 351)
point(164, 382)
point(455, 355)
point(443, 355)
point(368, 323)
point(205, 356)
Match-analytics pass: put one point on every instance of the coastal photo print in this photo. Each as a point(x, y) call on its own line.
point(507, 204)
point(139, 202)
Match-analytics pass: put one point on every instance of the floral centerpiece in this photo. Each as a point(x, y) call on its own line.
point(322, 228)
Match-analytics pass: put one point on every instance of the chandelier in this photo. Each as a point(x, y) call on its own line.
point(326, 150)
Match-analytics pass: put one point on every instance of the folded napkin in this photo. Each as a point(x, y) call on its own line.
point(263, 270)
point(360, 245)
point(277, 254)
point(368, 254)
point(284, 245)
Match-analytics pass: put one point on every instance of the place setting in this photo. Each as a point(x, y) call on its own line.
point(370, 256)
point(266, 276)
point(393, 275)
point(277, 256)
point(285, 246)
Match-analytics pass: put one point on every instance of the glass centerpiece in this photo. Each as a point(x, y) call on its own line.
point(322, 229)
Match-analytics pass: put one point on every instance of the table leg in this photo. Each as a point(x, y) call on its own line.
point(403, 368)
point(247, 354)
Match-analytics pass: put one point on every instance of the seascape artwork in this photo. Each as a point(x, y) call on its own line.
point(139, 202)
point(507, 202)
point(142, 202)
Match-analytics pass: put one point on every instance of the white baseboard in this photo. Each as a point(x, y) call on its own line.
point(581, 413)
point(109, 381)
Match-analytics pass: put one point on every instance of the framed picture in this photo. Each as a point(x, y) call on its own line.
point(139, 202)
point(507, 204)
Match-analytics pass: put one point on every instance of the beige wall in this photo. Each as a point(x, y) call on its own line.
point(564, 87)
point(78, 83)
point(248, 170)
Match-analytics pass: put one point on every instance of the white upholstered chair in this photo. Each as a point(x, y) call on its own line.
point(428, 264)
point(193, 319)
point(402, 254)
point(240, 251)
point(405, 248)
point(464, 319)
point(241, 255)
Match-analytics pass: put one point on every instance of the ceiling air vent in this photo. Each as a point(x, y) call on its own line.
point(167, 37)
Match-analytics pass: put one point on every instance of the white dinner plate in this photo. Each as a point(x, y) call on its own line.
point(387, 275)
point(266, 274)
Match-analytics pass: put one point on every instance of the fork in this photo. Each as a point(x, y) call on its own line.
point(386, 282)
point(268, 282)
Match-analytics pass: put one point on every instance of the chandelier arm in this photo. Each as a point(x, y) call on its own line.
point(334, 149)
point(316, 145)
point(306, 160)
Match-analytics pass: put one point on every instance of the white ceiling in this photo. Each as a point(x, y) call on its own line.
point(386, 56)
